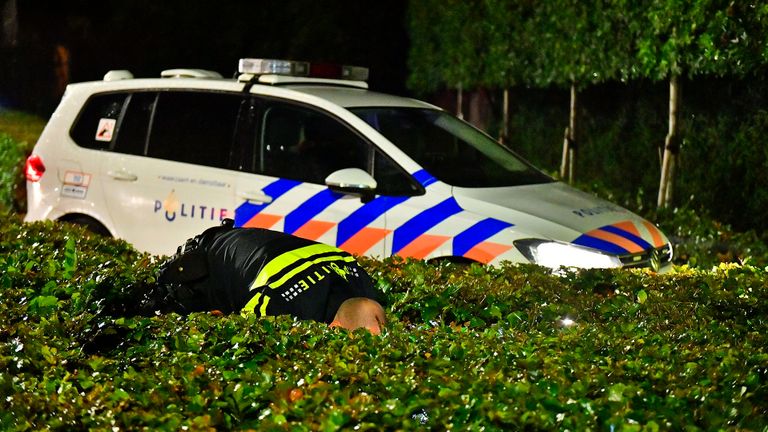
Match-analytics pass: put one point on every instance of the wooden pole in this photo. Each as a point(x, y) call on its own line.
point(671, 146)
point(504, 136)
point(459, 102)
point(569, 141)
point(572, 135)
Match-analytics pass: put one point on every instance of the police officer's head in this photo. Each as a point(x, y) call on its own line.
point(360, 312)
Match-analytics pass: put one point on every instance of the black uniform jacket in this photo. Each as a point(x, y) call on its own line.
point(273, 273)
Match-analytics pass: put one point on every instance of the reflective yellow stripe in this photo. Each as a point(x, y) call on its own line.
point(279, 263)
point(292, 273)
point(253, 302)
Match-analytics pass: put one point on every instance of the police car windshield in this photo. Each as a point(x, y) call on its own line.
point(450, 149)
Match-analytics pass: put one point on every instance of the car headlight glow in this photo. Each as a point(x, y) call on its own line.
point(555, 254)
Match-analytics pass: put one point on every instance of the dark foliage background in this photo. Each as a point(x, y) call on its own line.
point(147, 36)
point(622, 124)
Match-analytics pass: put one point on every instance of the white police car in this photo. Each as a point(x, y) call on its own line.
point(156, 161)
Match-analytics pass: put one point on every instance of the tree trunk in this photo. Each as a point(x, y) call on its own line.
point(61, 69)
point(569, 141)
point(479, 109)
point(504, 134)
point(10, 29)
point(671, 146)
point(459, 102)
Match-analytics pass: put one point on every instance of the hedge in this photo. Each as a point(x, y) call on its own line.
point(466, 348)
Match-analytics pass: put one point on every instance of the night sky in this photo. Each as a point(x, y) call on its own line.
point(147, 36)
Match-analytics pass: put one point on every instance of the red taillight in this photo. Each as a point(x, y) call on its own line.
point(34, 169)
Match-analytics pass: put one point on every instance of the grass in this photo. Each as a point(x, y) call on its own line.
point(20, 126)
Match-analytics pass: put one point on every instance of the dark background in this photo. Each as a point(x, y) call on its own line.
point(622, 125)
point(80, 40)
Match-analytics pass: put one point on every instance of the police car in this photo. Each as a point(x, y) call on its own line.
point(307, 149)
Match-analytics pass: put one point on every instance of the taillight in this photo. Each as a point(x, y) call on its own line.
point(34, 169)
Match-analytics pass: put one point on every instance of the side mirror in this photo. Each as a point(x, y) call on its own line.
point(352, 181)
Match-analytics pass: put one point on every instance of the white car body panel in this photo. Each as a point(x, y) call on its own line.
point(157, 204)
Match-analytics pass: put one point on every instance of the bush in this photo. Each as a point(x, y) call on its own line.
point(12, 156)
point(622, 127)
point(18, 133)
point(467, 347)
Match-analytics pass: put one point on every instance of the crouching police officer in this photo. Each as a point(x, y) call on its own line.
point(269, 273)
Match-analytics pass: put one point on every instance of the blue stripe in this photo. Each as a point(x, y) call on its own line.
point(309, 209)
point(628, 235)
point(363, 216)
point(598, 244)
point(422, 222)
point(246, 211)
point(477, 233)
point(423, 177)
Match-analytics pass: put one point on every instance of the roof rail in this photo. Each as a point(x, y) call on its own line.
point(189, 73)
point(276, 80)
point(117, 75)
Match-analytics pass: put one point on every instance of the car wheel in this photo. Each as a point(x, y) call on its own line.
point(88, 223)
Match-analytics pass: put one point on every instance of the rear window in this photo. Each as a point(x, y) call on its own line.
point(96, 125)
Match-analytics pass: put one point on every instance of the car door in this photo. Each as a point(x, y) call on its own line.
point(166, 178)
point(299, 147)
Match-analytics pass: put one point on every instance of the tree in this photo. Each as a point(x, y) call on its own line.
point(509, 51)
point(446, 45)
point(579, 43)
point(712, 37)
point(10, 26)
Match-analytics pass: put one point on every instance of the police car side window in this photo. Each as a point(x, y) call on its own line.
point(306, 145)
point(193, 127)
point(132, 133)
point(96, 124)
point(391, 179)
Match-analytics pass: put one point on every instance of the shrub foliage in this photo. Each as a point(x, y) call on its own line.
point(467, 347)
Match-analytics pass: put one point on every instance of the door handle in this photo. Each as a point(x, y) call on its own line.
point(259, 197)
point(122, 175)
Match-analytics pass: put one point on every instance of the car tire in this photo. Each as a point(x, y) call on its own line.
point(88, 223)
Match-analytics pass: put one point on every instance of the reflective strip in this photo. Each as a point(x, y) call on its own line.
point(246, 211)
point(422, 246)
point(486, 252)
point(364, 215)
point(422, 222)
point(599, 244)
point(309, 209)
point(642, 244)
point(628, 227)
point(254, 302)
point(313, 229)
point(658, 240)
point(364, 240)
point(423, 177)
point(262, 220)
point(618, 240)
point(278, 283)
point(477, 233)
point(283, 261)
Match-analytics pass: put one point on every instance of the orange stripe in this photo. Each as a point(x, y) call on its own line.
point(628, 227)
point(422, 246)
point(486, 252)
point(364, 240)
point(618, 240)
point(658, 241)
point(313, 229)
point(262, 220)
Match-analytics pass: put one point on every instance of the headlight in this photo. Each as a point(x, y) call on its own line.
point(554, 255)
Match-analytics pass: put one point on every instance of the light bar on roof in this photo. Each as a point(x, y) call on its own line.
point(302, 69)
point(268, 66)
